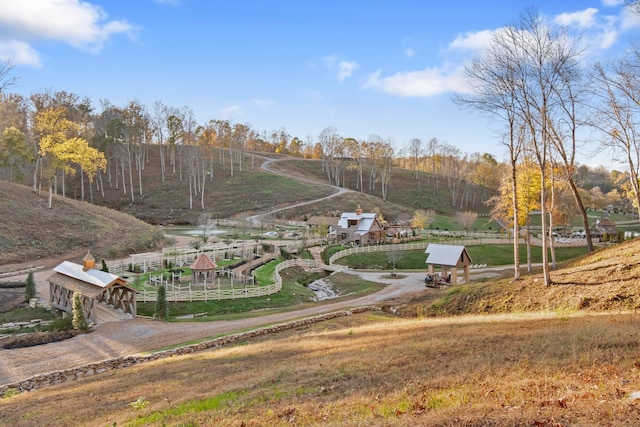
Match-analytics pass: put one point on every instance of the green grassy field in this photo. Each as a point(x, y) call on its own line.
point(492, 255)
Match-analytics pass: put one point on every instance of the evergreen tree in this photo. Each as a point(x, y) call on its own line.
point(30, 290)
point(79, 319)
point(162, 311)
point(104, 266)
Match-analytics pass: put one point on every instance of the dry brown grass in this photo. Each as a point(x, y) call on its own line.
point(606, 280)
point(32, 234)
point(483, 370)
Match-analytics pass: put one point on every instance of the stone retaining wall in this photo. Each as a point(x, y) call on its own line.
point(59, 377)
point(20, 272)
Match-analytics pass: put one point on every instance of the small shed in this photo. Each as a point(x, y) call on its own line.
point(203, 270)
point(448, 257)
point(95, 286)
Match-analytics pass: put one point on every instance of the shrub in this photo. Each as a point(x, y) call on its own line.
point(285, 254)
point(30, 289)
point(79, 319)
point(162, 310)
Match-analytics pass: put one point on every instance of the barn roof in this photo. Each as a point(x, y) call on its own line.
point(90, 283)
point(448, 255)
point(365, 221)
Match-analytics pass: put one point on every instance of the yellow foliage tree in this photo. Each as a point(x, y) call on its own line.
point(60, 150)
point(422, 218)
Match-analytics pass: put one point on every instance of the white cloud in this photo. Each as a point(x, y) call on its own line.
point(19, 53)
point(80, 24)
point(612, 3)
point(409, 53)
point(424, 83)
point(582, 19)
point(345, 70)
point(473, 41)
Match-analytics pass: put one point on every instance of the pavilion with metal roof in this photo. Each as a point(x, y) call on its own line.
point(448, 257)
point(94, 286)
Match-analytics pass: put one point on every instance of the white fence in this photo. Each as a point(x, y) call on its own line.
point(180, 256)
point(412, 246)
point(215, 293)
point(304, 263)
point(186, 255)
point(212, 294)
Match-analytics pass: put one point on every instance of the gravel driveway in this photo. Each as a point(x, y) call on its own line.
point(130, 337)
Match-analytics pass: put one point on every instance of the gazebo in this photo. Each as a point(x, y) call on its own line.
point(448, 257)
point(202, 270)
point(94, 286)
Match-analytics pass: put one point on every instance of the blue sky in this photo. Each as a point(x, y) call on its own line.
point(363, 67)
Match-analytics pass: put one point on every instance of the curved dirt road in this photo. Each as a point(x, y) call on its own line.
point(130, 337)
point(265, 166)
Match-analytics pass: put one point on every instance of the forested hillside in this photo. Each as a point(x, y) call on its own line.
point(163, 167)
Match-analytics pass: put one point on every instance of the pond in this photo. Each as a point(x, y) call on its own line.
point(194, 231)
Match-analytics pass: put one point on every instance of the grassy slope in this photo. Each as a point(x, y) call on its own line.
point(248, 191)
point(606, 280)
point(404, 190)
point(370, 369)
point(30, 233)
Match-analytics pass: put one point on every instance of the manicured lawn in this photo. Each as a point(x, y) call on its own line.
point(492, 255)
point(292, 295)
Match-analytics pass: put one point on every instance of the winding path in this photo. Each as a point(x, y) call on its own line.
point(265, 166)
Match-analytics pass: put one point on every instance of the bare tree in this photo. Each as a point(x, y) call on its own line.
point(415, 151)
point(466, 219)
point(6, 80)
point(618, 114)
point(525, 73)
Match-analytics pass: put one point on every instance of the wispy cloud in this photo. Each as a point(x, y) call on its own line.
point(78, 23)
point(19, 53)
point(612, 3)
point(472, 41)
point(409, 53)
point(581, 19)
point(345, 70)
point(424, 83)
